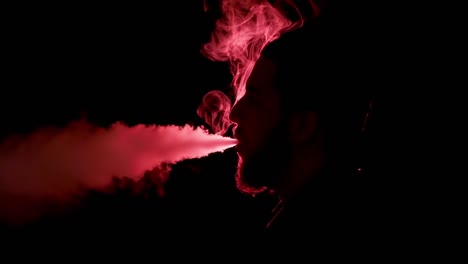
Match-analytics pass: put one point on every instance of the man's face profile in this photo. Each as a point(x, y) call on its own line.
point(260, 130)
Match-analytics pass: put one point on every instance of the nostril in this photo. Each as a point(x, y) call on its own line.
point(231, 131)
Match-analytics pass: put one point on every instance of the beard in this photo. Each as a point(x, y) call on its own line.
point(263, 168)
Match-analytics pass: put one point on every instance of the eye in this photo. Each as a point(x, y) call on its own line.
point(251, 92)
point(250, 97)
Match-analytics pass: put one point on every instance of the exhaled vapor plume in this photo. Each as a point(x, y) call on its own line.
point(57, 162)
point(245, 28)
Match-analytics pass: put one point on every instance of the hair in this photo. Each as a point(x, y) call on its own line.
point(320, 69)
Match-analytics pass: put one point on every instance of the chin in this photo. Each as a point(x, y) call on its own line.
point(244, 185)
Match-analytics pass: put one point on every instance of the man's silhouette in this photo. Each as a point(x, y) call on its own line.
point(300, 127)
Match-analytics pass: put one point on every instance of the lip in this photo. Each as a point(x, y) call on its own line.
point(235, 134)
point(239, 144)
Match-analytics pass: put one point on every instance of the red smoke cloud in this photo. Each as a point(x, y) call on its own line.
point(54, 163)
point(240, 35)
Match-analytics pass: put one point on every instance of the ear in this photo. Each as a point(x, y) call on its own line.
point(303, 126)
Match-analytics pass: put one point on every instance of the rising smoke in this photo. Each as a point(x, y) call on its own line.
point(215, 109)
point(245, 28)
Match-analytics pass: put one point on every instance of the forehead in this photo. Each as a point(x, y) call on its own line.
point(262, 76)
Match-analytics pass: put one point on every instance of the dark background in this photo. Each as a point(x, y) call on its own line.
point(139, 63)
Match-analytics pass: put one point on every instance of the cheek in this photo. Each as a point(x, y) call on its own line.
point(260, 129)
point(257, 124)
